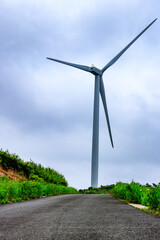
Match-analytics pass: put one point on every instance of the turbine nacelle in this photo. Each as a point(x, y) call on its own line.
point(95, 71)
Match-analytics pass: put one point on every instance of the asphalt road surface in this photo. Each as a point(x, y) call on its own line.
point(76, 217)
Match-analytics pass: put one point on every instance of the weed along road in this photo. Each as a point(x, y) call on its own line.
point(76, 217)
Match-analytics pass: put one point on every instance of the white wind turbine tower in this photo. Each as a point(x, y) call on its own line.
point(99, 89)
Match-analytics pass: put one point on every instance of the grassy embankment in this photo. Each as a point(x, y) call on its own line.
point(39, 181)
point(147, 195)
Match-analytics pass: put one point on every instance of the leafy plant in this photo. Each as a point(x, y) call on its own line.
point(11, 191)
point(30, 169)
point(137, 193)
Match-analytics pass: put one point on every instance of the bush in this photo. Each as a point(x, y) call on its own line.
point(154, 198)
point(30, 169)
point(101, 190)
point(137, 193)
point(22, 190)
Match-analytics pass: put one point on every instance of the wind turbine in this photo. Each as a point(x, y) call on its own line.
point(99, 89)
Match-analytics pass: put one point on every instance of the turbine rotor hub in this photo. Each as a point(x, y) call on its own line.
point(95, 70)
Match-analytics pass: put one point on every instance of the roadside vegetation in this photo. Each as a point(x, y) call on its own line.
point(102, 190)
point(30, 170)
point(14, 191)
point(147, 195)
point(39, 181)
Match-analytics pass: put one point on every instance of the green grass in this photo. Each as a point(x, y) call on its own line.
point(102, 190)
point(13, 191)
point(148, 195)
point(31, 170)
point(41, 181)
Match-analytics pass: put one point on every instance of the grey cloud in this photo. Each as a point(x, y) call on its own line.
point(50, 106)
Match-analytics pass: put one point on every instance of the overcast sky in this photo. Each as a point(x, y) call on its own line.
point(46, 109)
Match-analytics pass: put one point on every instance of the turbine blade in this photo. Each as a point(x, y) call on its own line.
point(82, 67)
point(102, 92)
point(121, 52)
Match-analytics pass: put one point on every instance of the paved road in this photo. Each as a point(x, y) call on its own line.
point(76, 217)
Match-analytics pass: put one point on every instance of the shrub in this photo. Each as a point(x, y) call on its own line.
point(30, 168)
point(154, 198)
point(23, 190)
point(137, 193)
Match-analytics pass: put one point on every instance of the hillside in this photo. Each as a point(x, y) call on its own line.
point(21, 180)
point(12, 166)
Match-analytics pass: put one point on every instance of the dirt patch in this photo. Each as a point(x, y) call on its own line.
point(12, 174)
